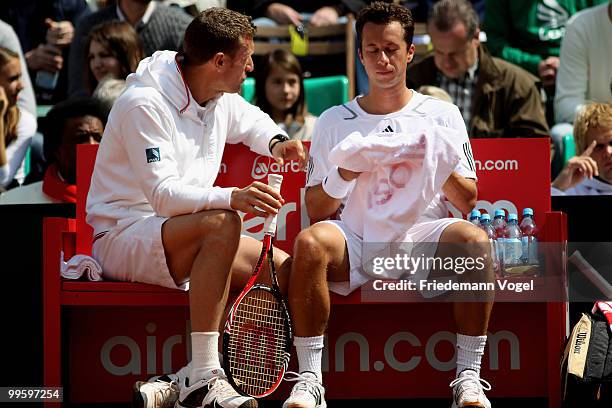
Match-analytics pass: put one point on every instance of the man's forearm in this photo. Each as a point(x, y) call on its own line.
point(319, 204)
point(461, 192)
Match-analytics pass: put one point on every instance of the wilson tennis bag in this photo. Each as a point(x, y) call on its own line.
point(586, 366)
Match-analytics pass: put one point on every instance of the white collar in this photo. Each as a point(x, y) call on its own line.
point(145, 17)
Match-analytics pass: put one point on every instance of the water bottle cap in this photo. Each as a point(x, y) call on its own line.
point(485, 217)
point(527, 211)
point(500, 212)
point(474, 214)
point(512, 217)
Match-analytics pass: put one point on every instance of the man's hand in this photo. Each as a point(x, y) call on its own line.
point(547, 71)
point(45, 57)
point(59, 33)
point(324, 16)
point(577, 169)
point(256, 197)
point(283, 14)
point(290, 150)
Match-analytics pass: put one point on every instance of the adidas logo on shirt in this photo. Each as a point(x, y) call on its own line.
point(388, 129)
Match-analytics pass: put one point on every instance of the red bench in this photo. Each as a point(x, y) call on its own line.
point(382, 340)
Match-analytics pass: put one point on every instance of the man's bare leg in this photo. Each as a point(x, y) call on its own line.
point(201, 248)
point(320, 255)
point(471, 317)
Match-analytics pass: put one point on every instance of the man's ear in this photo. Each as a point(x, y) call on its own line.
point(219, 60)
point(411, 51)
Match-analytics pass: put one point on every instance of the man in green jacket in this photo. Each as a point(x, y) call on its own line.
point(496, 98)
point(528, 33)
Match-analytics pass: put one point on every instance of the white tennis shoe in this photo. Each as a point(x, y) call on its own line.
point(158, 392)
point(468, 390)
point(213, 392)
point(307, 393)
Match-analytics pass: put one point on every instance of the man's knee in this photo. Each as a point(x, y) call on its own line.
point(224, 225)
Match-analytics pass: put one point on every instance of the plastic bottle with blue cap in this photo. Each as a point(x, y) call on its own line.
point(529, 239)
point(475, 217)
point(513, 247)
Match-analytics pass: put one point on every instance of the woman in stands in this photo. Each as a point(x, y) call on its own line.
point(16, 125)
point(113, 49)
point(279, 91)
point(589, 173)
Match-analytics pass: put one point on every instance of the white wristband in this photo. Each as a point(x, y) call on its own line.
point(335, 186)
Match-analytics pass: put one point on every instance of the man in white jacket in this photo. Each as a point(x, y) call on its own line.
point(156, 216)
point(589, 173)
point(332, 254)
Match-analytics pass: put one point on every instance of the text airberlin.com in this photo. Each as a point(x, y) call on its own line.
point(457, 264)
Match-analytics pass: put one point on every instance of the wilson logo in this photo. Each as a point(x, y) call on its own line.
point(263, 165)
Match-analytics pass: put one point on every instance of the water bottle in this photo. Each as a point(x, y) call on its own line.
point(485, 224)
point(529, 239)
point(475, 217)
point(499, 225)
point(499, 222)
point(513, 249)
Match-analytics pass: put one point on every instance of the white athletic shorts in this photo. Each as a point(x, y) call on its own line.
point(428, 232)
point(133, 252)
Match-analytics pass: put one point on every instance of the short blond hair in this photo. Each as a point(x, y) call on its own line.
point(591, 116)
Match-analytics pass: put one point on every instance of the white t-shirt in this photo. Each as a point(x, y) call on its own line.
point(421, 112)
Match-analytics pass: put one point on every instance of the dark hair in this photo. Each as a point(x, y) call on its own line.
point(52, 125)
point(121, 41)
point(287, 61)
point(11, 117)
point(385, 13)
point(214, 30)
point(445, 14)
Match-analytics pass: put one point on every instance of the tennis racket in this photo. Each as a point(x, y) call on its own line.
point(257, 337)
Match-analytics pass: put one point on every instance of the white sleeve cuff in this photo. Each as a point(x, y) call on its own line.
point(335, 186)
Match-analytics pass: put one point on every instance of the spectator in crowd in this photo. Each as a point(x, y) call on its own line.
point(496, 98)
point(279, 91)
point(45, 30)
point(317, 12)
point(68, 123)
point(17, 126)
point(9, 40)
point(160, 28)
point(589, 173)
point(108, 90)
point(585, 72)
point(528, 33)
point(114, 49)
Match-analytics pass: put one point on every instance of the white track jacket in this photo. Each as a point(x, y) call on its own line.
point(161, 151)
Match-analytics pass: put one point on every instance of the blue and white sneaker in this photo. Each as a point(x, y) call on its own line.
point(468, 390)
point(158, 392)
point(307, 393)
point(212, 392)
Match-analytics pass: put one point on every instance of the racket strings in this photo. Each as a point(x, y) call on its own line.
point(257, 343)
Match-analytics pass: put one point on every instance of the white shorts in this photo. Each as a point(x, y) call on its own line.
point(133, 252)
point(428, 232)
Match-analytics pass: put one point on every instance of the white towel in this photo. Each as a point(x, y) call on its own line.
point(80, 265)
point(401, 173)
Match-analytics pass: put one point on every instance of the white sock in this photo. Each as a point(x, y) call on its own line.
point(470, 350)
point(204, 355)
point(309, 352)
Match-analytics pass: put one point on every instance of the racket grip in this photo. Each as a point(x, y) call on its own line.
point(274, 181)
